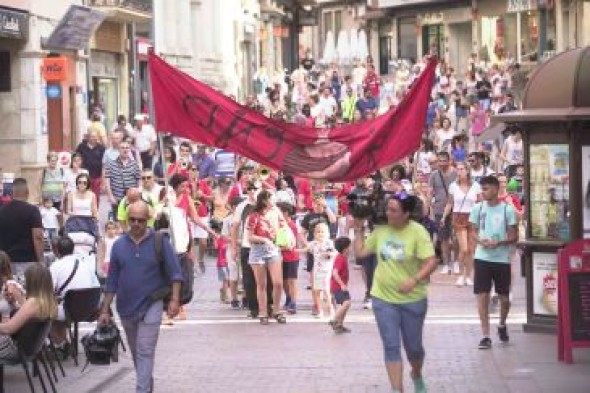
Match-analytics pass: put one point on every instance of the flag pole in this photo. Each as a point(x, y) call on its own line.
point(152, 110)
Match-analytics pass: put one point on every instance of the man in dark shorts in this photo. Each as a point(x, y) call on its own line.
point(495, 232)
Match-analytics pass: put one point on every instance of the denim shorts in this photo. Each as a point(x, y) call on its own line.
point(263, 254)
point(222, 273)
point(397, 322)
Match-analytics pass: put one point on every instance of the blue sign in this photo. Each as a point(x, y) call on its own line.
point(53, 91)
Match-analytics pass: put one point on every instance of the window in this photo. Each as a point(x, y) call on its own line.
point(337, 22)
point(328, 26)
point(5, 85)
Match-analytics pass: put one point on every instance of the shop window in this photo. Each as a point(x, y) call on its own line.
point(549, 193)
point(328, 26)
point(5, 74)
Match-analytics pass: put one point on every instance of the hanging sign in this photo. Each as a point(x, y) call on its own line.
point(54, 68)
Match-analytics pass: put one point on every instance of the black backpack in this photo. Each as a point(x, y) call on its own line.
point(186, 266)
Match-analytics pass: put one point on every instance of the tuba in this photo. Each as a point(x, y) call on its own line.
point(263, 173)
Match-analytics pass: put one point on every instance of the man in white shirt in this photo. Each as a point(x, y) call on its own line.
point(82, 270)
point(328, 103)
point(150, 190)
point(145, 140)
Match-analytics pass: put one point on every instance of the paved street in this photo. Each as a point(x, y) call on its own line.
point(220, 350)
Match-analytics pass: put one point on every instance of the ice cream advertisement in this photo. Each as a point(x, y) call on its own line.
point(545, 283)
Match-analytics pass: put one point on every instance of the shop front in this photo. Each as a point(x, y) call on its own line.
point(555, 121)
point(108, 73)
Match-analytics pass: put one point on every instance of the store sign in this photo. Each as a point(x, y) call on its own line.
point(53, 92)
point(54, 68)
point(401, 3)
point(521, 5)
point(13, 24)
point(75, 28)
point(433, 18)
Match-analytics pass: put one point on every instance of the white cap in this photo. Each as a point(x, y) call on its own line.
point(139, 117)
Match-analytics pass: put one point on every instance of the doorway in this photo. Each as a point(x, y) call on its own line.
point(433, 38)
point(106, 97)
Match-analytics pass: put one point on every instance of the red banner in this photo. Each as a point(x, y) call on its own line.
point(188, 108)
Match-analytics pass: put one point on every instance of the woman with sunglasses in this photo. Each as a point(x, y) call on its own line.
point(405, 260)
point(82, 202)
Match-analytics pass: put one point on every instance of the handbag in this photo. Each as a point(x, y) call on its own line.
point(284, 237)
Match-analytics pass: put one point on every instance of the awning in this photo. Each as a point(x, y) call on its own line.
point(491, 133)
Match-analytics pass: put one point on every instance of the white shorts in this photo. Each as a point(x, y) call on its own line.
point(232, 265)
point(197, 231)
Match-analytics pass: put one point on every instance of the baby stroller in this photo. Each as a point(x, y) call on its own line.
point(84, 233)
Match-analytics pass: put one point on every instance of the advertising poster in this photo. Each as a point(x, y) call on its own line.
point(545, 283)
point(586, 190)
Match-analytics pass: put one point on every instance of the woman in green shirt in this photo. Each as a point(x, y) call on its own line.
point(405, 260)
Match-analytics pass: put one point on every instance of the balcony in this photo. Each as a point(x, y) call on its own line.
point(126, 11)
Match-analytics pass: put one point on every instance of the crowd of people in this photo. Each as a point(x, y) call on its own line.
point(456, 203)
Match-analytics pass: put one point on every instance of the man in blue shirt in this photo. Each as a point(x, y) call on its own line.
point(367, 104)
point(495, 232)
point(204, 162)
point(134, 276)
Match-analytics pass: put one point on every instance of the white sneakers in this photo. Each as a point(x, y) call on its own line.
point(456, 268)
point(462, 280)
point(445, 269)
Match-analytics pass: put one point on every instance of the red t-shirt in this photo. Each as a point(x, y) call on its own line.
point(221, 251)
point(260, 226)
point(303, 188)
point(236, 191)
point(342, 200)
point(203, 209)
point(340, 266)
point(291, 255)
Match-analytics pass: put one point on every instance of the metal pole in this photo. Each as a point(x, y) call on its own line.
point(153, 119)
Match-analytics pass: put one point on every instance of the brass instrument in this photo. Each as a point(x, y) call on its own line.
point(263, 173)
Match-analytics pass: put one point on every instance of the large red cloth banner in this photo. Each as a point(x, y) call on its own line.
point(188, 108)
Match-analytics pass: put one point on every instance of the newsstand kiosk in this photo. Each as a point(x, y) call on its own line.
point(555, 124)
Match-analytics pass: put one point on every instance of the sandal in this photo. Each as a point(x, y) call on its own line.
point(280, 318)
point(264, 320)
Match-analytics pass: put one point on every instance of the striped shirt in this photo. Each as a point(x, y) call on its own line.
point(122, 176)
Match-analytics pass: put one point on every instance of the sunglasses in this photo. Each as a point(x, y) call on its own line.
point(146, 178)
point(136, 220)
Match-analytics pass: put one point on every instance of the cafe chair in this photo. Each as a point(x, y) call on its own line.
point(80, 305)
point(30, 341)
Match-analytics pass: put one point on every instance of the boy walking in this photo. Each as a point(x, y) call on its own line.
point(495, 232)
point(339, 285)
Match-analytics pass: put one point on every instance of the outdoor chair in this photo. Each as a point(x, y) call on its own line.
point(80, 305)
point(30, 340)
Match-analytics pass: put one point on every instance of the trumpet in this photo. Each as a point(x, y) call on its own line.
point(263, 173)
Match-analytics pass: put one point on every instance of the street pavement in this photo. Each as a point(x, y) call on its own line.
point(219, 350)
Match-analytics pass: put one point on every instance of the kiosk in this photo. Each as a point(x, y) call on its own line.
point(555, 124)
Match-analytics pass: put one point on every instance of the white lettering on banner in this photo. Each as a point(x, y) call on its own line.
point(522, 5)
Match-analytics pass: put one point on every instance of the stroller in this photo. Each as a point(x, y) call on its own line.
point(84, 232)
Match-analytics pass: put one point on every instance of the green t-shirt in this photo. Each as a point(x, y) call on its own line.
point(400, 255)
point(124, 206)
point(492, 222)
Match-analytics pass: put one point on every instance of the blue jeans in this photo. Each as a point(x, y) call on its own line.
point(142, 337)
point(405, 318)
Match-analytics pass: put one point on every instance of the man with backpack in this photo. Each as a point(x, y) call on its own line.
point(495, 233)
point(140, 281)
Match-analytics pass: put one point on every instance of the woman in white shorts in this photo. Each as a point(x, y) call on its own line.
point(265, 256)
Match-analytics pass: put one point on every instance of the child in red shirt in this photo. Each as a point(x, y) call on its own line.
point(339, 284)
point(222, 243)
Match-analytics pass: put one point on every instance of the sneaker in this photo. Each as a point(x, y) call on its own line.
point(419, 385)
point(485, 343)
point(339, 329)
point(456, 268)
point(468, 281)
point(367, 304)
point(503, 334)
point(318, 315)
point(445, 269)
point(460, 281)
point(235, 305)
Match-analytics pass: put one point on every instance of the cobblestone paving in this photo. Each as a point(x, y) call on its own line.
point(220, 350)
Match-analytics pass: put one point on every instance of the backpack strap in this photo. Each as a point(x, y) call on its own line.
point(159, 245)
point(70, 278)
